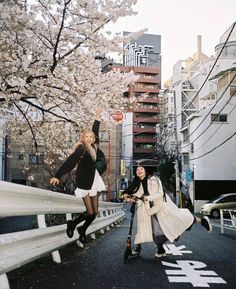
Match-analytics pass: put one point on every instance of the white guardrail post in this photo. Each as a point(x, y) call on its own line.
point(4, 284)
point(19, 248)
point(42, 224)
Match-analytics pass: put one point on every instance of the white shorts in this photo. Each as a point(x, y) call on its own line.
point(97, 186)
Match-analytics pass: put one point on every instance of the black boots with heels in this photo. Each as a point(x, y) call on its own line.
point(71, 224)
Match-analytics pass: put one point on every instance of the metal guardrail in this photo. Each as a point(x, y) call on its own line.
point(227, 223)
point(19, 248)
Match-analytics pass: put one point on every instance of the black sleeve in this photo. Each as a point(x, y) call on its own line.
point(70, 162)
point(95, 129)
point(128, 191)
point(132, 188)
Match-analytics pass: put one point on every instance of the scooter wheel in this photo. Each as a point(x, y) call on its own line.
point(127, 253)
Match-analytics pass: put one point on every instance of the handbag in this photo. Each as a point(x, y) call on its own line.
point(101, 162)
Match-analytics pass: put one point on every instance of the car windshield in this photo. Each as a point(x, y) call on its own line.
point(215, 199)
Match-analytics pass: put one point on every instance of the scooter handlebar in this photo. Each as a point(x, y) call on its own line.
point(135, 198)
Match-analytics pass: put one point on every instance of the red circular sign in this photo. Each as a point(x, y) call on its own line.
point(118, 116)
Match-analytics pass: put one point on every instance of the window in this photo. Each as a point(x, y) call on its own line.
point(35, 159)
point(227, 199)
point(223, 117)
point(20, 157)
point(185, 159)
point(143, 60)
point(218, 117)
point(229, 51)
point(192, 148)
point(185, 136)
point(104, 136)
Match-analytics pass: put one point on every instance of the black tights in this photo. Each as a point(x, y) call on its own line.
point(158, 236)
point(91, 204)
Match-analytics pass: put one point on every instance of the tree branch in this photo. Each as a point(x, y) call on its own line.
point(58, 37)
point(86, 38)
point(48, 111)
point(29, 124)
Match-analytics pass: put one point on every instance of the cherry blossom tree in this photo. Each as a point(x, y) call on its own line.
point(50, 68)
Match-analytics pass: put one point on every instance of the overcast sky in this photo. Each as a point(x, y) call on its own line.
point(179, 22)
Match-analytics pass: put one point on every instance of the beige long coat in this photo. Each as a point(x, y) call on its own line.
point(144, 225)
point(173, 220)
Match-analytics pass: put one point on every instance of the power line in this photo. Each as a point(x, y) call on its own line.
point(214, 131)
point(223, 142)
point(209, 113)
point(216, 60)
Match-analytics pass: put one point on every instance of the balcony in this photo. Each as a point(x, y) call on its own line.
point(147, 129)
point(146, 69)
point(145, 150)
point(148, 99)
point(145, 89)
point(145, 79)
point(145, 109)
point(145, 139)
point(146, 119)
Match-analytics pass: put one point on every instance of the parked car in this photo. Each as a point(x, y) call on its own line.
point(225, 201)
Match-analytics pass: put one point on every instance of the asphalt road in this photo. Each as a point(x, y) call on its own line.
point(198, 259)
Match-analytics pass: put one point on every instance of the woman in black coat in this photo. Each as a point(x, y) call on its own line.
point(88, 180)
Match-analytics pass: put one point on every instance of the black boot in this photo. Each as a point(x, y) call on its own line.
point(161, 252)
point(70, 228)
point(71, 224)
point(82, 236)
point(138, 249)
point(82, 229)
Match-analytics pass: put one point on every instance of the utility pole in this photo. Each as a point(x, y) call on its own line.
point(109, 170)
point(177, 174)
point(159, 146)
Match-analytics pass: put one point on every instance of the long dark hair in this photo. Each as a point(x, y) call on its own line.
point(135, 185)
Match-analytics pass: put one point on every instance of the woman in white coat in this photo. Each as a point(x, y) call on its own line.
point(158, 218)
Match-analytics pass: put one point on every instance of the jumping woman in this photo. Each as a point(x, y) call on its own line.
point(88, 180)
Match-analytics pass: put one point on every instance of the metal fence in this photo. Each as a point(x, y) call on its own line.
point(19, 248)
point(227, 219)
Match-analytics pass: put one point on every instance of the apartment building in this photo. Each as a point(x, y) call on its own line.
point(206, 120)
point(139, 130)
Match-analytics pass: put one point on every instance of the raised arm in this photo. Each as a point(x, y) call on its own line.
point(95, 129)
point(96, 124)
